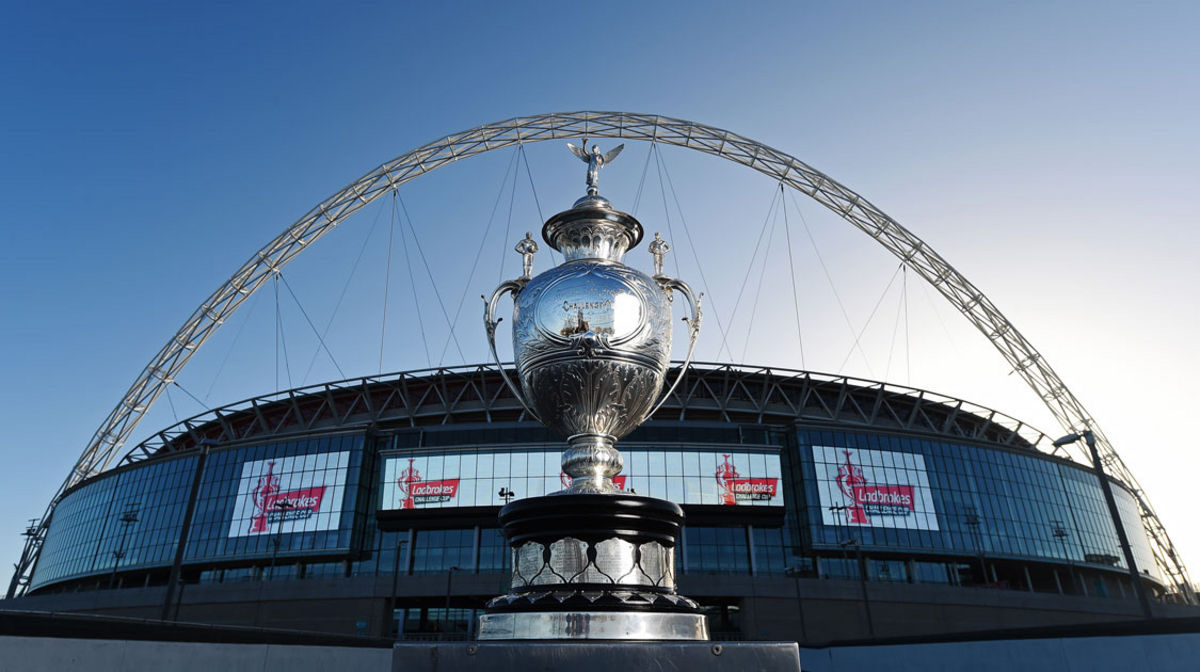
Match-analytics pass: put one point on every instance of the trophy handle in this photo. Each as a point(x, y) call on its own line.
point(669, 284)
point(490, 321)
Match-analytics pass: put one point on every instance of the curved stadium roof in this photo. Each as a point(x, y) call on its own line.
point(712, 392)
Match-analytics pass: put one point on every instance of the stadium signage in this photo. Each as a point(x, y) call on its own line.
point(735, 488)
point(885, 500)
point(874, 488)
point(274, 508)
point(289, 494)
point(439, 490)
point(454, 478)
point(415, 492)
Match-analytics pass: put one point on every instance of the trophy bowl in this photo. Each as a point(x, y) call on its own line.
point(591, 337)
point(591, 340)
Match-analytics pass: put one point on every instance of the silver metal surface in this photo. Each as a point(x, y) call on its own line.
point(592, 343)
point(658, 249)
point(658, 564)
point(595, 161)
point(526, 247)
point(1026, 361)
point(592, 337)
point(529, 565)
point(568, 559)
point(593, 625)
point(617, 561)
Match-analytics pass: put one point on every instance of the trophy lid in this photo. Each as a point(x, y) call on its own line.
point(592, 229)
point(593, 201)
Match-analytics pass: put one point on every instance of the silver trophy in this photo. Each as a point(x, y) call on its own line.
point(592, 336)
point(592, 345)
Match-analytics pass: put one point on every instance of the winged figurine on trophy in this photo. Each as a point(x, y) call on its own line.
point(595, 161)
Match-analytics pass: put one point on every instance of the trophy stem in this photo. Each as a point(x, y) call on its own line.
point(591, 460)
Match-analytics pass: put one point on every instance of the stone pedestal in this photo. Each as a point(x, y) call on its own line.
point(596, 656)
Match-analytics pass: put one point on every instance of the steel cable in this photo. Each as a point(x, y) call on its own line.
point(232, 345)
point(312, 326)
point(479, 251)
point(749, 268)
point(832, 285)
point(787, 231)
point(895, 332)
point(412, 283)
point(637, 197)
point(433, 282)
point(762, 274)
point(712, 304)
point(345, 287)
point(387, 279)
point(861, 332)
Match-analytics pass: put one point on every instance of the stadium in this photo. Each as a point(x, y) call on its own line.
point(819, 507)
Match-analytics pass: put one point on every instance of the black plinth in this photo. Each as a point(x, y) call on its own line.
point(631, 517)
point(591, 566)
point(596, 656)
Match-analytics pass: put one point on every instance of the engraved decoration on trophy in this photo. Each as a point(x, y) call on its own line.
point(592, 336)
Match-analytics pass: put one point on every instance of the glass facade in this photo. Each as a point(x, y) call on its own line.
point(1131, 520)
point(927, 496)
point(126, 519)
point(898, 507)
point(133, 517)
point(716, 550)
point(436, 551)
point(237, 506)
point(456, 477)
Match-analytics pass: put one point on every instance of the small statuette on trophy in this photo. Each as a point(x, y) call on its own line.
point(595, 161)
point(527, 247)
point(658, 249)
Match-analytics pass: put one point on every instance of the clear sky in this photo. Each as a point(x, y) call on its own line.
point(1046, 149)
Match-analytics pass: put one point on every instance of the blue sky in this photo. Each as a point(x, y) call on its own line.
point(1046, 149)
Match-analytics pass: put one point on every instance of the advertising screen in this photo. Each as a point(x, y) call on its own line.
point(874, 488)
point(449, 479)
point(290, 494)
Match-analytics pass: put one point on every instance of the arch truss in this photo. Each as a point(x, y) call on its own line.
point(1033, 368)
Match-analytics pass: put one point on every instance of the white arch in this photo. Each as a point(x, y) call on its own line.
point(960, 292)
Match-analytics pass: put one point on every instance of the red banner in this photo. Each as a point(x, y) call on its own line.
point(738, 489)
point(284, 506)
point(426, 492)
